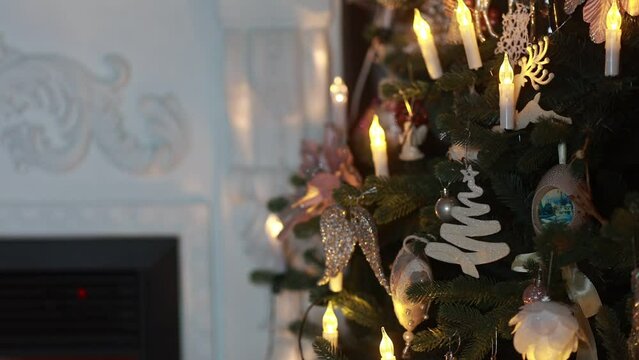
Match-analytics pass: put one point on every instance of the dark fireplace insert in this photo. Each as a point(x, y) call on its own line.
point(89, 298)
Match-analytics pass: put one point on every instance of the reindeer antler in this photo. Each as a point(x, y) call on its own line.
point(532, 67)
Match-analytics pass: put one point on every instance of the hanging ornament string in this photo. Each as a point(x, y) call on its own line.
point(450, 355)
point(493, 347)
point(583, 197)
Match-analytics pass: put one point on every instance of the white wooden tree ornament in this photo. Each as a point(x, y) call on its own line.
point(459, 236)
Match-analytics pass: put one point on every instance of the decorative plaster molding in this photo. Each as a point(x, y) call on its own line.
point(52, 108)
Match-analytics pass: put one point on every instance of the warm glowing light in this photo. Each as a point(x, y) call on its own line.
point(613, 18)
point(386, 348)
point(377, 134)
point(339, 90)
point(506, 73)
point(329, 320)
point(464, 18)
point(273, 226)
point(420, 26)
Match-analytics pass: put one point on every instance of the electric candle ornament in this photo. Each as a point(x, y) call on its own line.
point(329, 325)
point(427, 46)
point(336, 283)
point(467, 31)
point(273, 226)
point(386, 348)
point(613, 40)
point(339, 98)
point(378, 147)
point(506, 95)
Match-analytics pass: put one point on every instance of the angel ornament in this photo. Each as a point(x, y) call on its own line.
point(411, 139)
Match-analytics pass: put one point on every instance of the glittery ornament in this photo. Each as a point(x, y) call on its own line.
point(534, 292)
point(408, 269)
point(553, 201)
point(545, 330)
point(341, 229)
point(514, 39)
point(460, 236)
point(633, 338)
point(444, 206)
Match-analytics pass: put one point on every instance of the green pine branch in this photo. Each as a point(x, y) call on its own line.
point(609, 330)
point(325, 351)
point(466, 290)
point(510, 190)
point(431, 339)
point(399, 196)
point(358, 309)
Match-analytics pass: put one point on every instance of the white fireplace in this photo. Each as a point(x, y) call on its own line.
point(189, 223)
point(186, 132)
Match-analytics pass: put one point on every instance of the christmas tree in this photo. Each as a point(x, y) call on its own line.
point(529, 109)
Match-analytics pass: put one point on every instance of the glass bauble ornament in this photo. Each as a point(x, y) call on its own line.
point(534, 292)
point(408, 269)
point(444, 206)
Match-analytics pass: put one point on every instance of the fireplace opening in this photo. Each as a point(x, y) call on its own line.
point(89, 299)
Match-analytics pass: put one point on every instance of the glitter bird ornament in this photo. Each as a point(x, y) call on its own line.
point(341, 230)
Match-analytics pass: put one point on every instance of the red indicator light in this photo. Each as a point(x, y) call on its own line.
point(81, 293)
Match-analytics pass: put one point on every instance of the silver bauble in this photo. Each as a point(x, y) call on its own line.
point(444, 207)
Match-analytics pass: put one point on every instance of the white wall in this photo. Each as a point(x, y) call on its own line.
point(172, 47)
point(251, 78)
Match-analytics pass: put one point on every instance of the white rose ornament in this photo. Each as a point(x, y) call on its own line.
point(545, 330)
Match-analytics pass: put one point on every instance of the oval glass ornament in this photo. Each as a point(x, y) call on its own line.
point(553, 203)
point(409, 268)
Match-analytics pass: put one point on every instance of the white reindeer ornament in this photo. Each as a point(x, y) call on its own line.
point(459, 235)
point(532, 69)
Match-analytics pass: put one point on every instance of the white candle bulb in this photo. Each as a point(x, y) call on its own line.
point(427, 46)
point(339, 100)
point(467, 32)
point(386, 348)
point(613, 40)
point(329, 325)
point(378, 147)
point(506, 95)
point(336, 283)
point(273, 226)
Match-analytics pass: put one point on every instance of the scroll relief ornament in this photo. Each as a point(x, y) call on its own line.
point(52, 108)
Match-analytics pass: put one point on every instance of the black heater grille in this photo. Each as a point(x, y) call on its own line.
point(44, 312)
point(89, 299)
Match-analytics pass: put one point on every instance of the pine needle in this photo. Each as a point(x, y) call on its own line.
point(325, 351)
